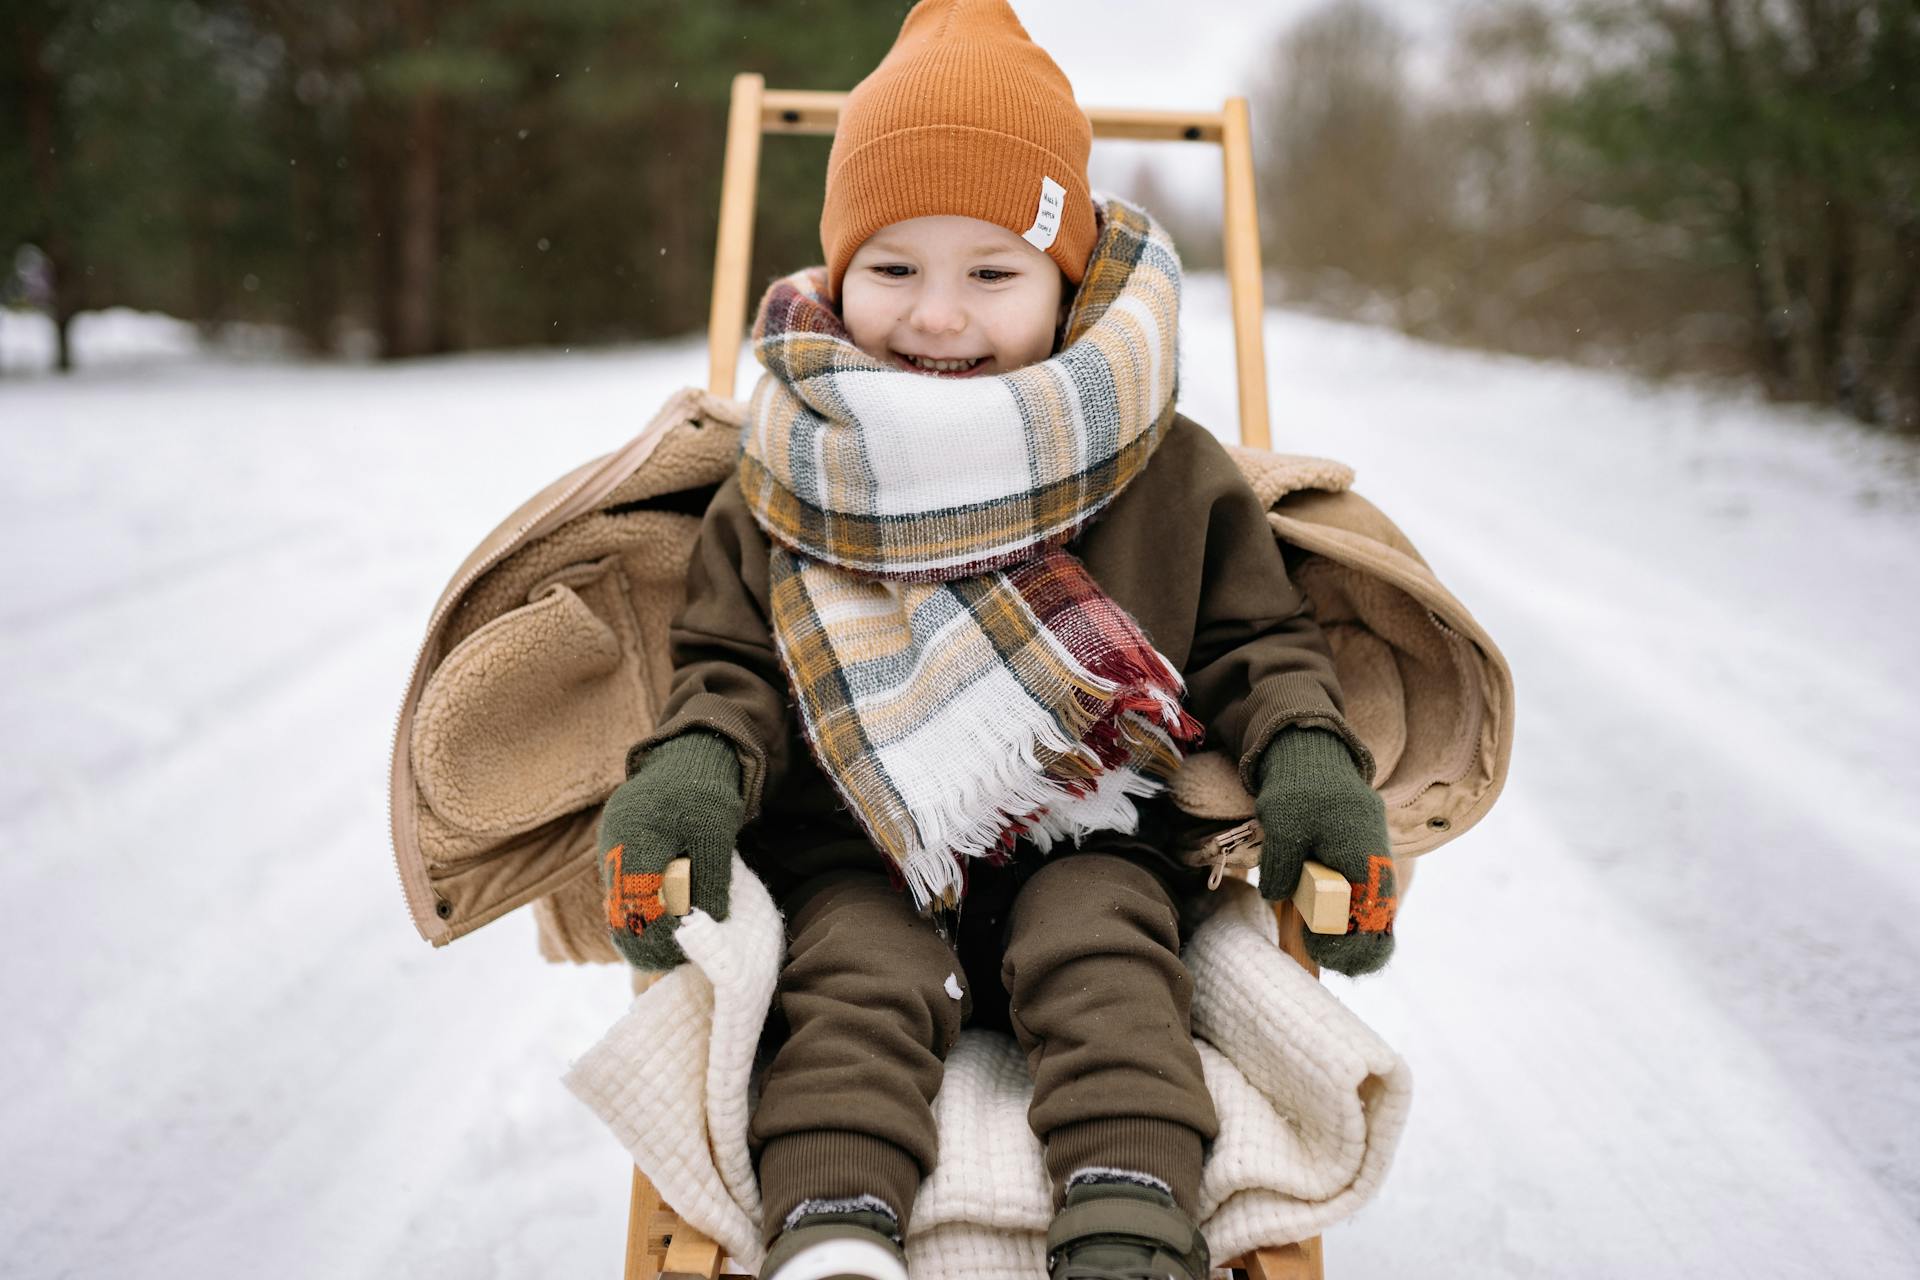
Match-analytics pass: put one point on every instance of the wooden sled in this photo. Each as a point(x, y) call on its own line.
point(660, 1244)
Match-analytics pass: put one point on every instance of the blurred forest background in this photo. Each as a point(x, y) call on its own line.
point(1722, 187)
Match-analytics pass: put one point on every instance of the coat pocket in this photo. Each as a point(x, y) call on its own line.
point(529, 718)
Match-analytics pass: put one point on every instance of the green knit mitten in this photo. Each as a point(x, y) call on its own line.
point(683, 801)
point(1313, 804)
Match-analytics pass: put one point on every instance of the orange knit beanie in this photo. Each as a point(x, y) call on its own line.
point(965, 115)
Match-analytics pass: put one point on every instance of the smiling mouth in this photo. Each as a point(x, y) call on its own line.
point(941, 368)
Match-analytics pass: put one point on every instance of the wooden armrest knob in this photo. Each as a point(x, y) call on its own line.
point(1322, 898)
point(676, 887)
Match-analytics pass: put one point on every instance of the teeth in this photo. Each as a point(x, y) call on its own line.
point(945, 366)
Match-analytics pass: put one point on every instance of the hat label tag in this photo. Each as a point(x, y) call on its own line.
point(1046, 219)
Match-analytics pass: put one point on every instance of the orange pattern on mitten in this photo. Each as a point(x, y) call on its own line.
point(633, 900)
point(1370, 910)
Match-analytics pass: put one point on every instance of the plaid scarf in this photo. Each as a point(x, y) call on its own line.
point(960, 676)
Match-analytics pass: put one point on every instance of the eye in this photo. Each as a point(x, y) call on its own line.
point(997, 274)
point(886, 270)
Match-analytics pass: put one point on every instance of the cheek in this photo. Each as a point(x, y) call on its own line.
point(865, 317)
point(1028, 333)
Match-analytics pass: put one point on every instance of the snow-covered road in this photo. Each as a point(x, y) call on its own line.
point(1662, 1007)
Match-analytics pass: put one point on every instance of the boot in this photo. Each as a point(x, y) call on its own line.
point(837, 1244)
point(1123, 1231)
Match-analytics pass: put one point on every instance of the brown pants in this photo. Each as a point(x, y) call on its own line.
point(1076, 953)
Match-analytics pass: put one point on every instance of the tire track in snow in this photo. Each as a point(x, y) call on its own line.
point(274, 1055)
point(1584, 1108)
point(118, 693)
point(1794, 900)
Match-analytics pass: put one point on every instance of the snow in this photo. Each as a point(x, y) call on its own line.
point(1660, 1006)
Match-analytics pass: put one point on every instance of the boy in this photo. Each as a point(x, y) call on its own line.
point(1008, 586)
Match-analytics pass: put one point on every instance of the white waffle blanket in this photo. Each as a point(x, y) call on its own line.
point(1311, 1102)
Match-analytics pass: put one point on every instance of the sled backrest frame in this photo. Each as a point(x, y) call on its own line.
point(756, 110)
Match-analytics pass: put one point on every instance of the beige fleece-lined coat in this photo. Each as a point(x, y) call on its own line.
point(547, 657)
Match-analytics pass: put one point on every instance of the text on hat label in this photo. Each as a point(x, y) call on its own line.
point(1046, 219)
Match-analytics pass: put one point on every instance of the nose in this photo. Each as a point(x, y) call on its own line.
point(936, 310)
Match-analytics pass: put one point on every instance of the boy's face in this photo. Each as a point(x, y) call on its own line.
point(952, 288)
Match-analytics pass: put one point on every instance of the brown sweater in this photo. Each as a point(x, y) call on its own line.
point(1185, 549)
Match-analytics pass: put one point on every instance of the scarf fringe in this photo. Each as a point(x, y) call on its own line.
point(1109, 806)
point(992, 784)
point(1003, 790)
